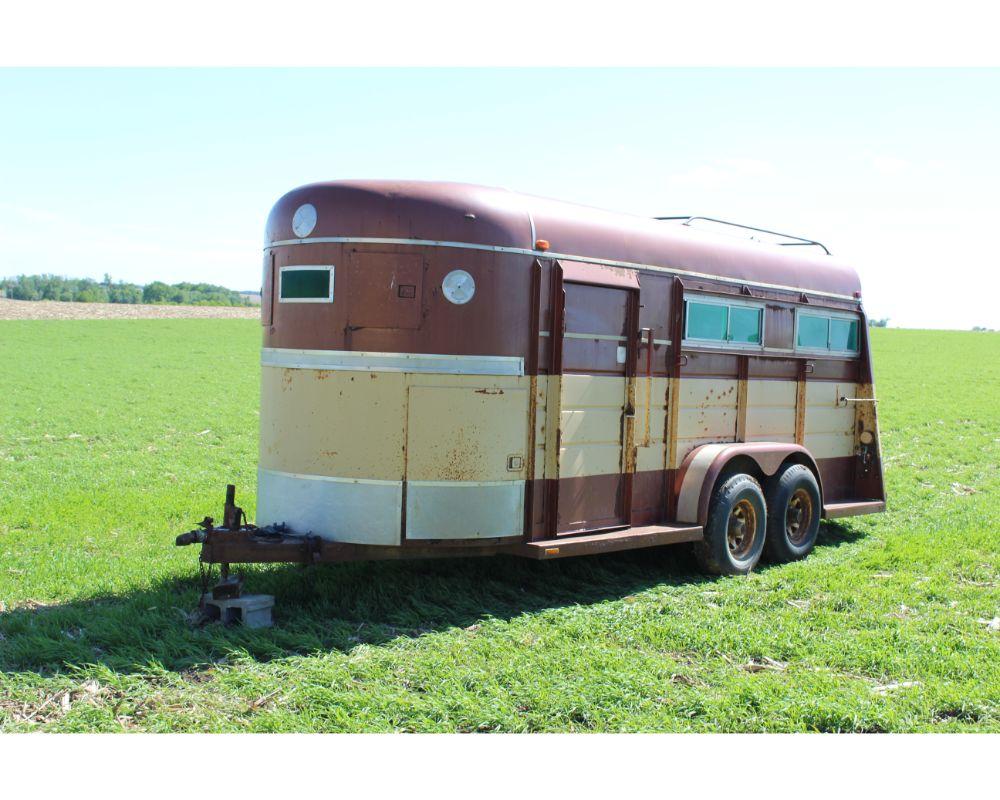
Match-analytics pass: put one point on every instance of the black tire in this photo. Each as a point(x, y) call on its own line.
point(737, 523)
point(794, 509)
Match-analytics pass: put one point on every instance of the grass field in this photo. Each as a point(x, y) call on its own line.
point(117, 435)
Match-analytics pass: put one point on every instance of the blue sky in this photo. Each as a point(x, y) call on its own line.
point(169, 174)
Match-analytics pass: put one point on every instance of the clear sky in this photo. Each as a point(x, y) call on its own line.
point(169, 174)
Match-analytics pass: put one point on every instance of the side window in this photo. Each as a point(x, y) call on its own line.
point(744, 324)
point(814, 332)
point(844, 335)
point(705, 321)
point(710, 320)
point(834, 334)
point(306, 284)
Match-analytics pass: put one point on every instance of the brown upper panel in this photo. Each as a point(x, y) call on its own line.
point(464, 213)
point(452, 212)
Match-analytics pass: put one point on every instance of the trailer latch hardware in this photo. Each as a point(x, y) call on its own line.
point(846, 400)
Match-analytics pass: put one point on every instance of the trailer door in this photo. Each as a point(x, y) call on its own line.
point(596, 418)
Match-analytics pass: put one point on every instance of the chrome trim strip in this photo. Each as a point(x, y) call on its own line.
point(463, 484)
point(288, 358)
point(603, 337)
point(547, 254)
point(599, 336)
point(331, 479)
point(706, 345)
point(327, 478)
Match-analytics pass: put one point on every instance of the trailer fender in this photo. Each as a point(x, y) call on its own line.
point(702, 467)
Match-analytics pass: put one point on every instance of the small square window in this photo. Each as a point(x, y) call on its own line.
point(306, 285)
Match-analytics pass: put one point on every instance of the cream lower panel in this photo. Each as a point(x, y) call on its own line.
point(650, 425)
point(452, 510)
point(706, 413)
point(463, 433)
point(590, 425)
point(829, 424)
point(336, 423)
point(336, 509)
point(829, 445)
point(353, 424)
point(770, 411)
point(587, 391)
point(585, 426)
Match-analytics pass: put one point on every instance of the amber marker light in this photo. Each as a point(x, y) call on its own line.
point(541, 244)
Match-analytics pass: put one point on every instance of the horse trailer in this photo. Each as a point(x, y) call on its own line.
point(455, 370)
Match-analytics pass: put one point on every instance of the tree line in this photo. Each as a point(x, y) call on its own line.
point(87, 290)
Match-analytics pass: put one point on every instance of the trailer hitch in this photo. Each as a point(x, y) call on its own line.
point(233, 519)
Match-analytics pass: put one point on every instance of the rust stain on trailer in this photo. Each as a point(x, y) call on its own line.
point(532, 426)
point(462, 458)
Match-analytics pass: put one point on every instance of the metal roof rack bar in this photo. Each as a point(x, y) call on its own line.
point(798, 241)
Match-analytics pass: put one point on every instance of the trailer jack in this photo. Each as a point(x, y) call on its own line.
point(225, 601)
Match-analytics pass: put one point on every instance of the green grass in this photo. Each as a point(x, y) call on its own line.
point(117, 435)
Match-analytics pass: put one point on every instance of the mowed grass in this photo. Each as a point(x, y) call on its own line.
point(117, 435)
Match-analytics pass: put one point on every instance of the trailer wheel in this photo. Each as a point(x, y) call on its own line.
point(793, 522)
point(737, 522)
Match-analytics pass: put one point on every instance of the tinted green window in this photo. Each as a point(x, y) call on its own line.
point(706, 321)
point(844, 335)
point(813, 331)
point(305, 284)
point(744, 325)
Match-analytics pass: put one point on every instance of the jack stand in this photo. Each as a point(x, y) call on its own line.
point(225, 602)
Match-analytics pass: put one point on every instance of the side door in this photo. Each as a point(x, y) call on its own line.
point(596, 404)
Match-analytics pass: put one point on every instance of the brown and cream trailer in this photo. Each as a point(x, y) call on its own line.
point(451, 369)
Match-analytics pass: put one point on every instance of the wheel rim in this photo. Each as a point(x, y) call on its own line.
point(798, 516)
point(742, 529)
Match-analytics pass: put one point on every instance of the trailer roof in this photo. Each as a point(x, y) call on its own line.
point(482, 216)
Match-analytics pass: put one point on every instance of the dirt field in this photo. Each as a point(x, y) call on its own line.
point(51, 309)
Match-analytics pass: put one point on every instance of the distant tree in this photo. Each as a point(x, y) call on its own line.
point(878, 323)
point(87, 290)
point(124, 293)
point(157, 292)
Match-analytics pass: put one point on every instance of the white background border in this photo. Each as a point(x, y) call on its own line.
point(515, 32)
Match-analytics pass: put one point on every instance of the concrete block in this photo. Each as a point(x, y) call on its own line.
point(253, 610)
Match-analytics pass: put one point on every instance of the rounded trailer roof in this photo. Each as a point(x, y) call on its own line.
point(482, 216)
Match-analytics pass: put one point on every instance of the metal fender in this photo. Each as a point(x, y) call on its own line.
point(702, 466)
